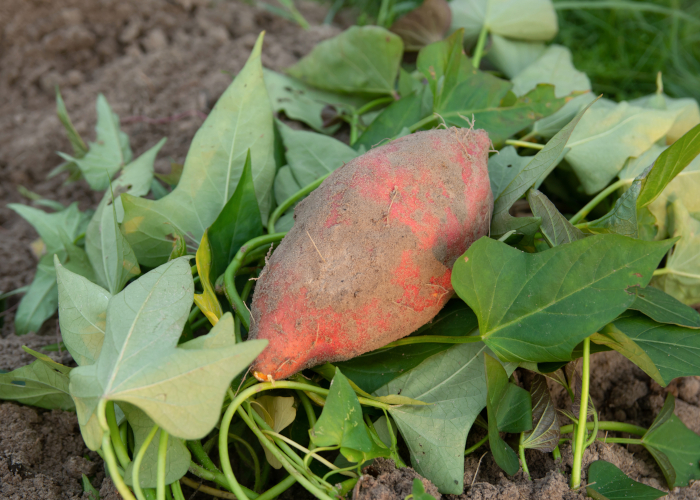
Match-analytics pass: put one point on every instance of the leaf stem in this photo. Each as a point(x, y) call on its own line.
point(256, 463)
point(119, 447)
point(523, 462)
point(374, 104)
point(230, 274)
point(177, 491)
point(668, 270)
point(480, 44)
point(580, 434)
point(422, 123)
point(306, 451)
point(287, 204)
point(524, 144)
point(162, 451)
point(310, 413)
point(278, 489)
point(621, 440)
point(434, 339)
point(598, 198)
point(477, 445)
point(208, 490)
point(608, 426)
point(111, 461)
point(137, 462)
point(198, 451)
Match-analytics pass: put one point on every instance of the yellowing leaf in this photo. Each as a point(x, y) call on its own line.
point(207, 301)
point(279, 412)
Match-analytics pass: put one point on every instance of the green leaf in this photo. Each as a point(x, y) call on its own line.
point(663, 308)
point(454, 383)
point(53, 228)
point(76, 142)
point(110, 254)
point(241, 120)
point(533, 20)
point(668, 165)
point(279, 413)
point(377, 368)
point(109, 153)
point(538, 167)
point(180, 388)
point(686, 109)
point(177, 456)
point(392, 120)
point(663, 351)
point(82, 314)
point(497, 383)
point(538, 307)
point(40, 301)
point(92, 492)
point(341, 424)
point(556, 229)
point(607, 482)
point(418, 491)
point(681, 278)
point(554, 66)
point(359, 60)
point(549, 125)
point(301, 102)
point(37, 384)
point(511, 56)
point(608, 135)
point(238, 222)
point(207, 301)
point(505, 166)
point(674, 447)
point(311, 155)
point(461, 93)
point(544, 435)
point(514, 410)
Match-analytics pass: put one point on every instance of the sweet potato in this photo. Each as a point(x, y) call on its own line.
point(370, 255)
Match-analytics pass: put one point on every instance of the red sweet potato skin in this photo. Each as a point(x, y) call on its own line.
point(370, 255)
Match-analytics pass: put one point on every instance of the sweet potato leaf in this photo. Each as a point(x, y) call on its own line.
point(104, 241)
point(544, 435)
point(538, 167)
point(341, 424)
point(686, 109)
point(37, 384)
point(453, 382)
point(361, 60)
point(674, 447)
point(607, 482)
point(377, 368)
point(608, 135)
point(663, 308)
point(180, 388)
point(392, 120)
point(533, 20)
point(418, 491)
point(497, 384)
point(207, 301)
point(663, 351)
point(82, 314)
point(556, 229)
point(553, 66)
point(681, 278)
point(108, 154)
point(514, 410)
point(538, 307)
point(76, 142)
point(505, 166)
point(241, 120)
point(513, 56)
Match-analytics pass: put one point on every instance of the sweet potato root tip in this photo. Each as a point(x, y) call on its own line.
point(370, 255)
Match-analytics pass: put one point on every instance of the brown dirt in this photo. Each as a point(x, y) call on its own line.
point(162, 64)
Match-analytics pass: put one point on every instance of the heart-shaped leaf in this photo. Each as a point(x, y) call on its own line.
point(538, 307)
point(362, 59)
point(37, 384)
point(607, 482)
point(180, 388)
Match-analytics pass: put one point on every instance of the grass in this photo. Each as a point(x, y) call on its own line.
point(621, 49)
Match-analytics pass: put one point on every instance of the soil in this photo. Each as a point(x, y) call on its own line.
point(162, 64)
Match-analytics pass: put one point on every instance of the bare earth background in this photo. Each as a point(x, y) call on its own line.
point(162, 64)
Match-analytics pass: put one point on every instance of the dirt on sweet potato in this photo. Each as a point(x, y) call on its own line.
point(370, 255)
